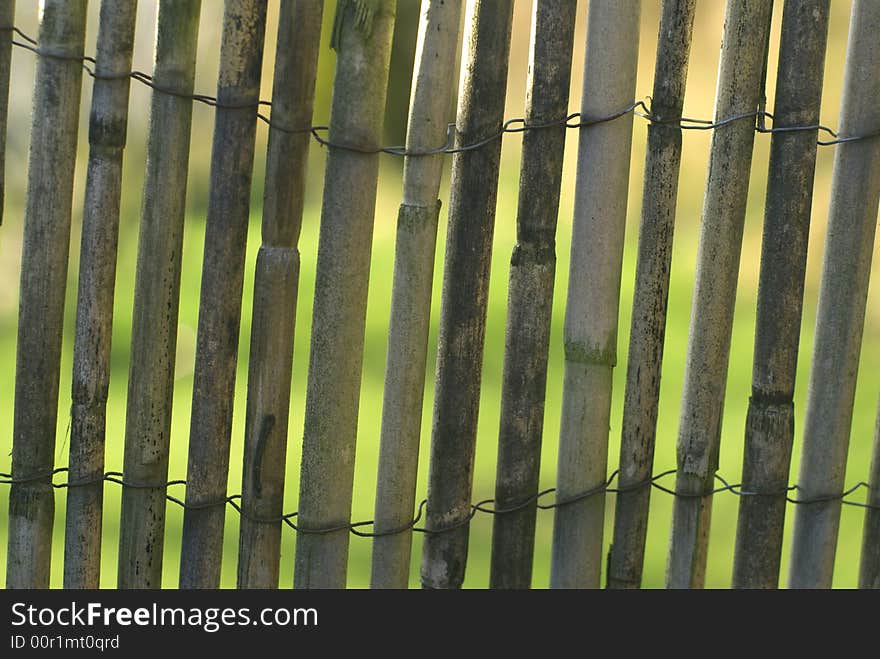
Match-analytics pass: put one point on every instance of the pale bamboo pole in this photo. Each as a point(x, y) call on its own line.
point(362, 38)
point(739, 92)
point(648, 324)
point(594, 290)
point(276, 284)
point(232, 161)
point(156, 299)
point(44, 255)
point(770, 421)
point(7, 20)
point(439, 34)
point(852, 221)
point(473, 194)
point(530, 296)
point(869, 569)
point(97, 277)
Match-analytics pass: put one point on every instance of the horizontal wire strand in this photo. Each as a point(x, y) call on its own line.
point(517, 125)
point(482, 506)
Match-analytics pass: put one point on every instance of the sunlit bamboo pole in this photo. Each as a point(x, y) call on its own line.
point(7, 18)
point(276, 284)
point(362, 39)
point(439, 34)
point(530, 296)
point(770, 421)
point(45, 249)
point(739, 92)
point(156, 299)
point(648, 324)
point(97, 277)
point(852, 222)
point(594, 290)
point(473, 194)
point(232, 161)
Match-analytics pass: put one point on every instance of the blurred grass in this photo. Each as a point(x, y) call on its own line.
point(699, 103)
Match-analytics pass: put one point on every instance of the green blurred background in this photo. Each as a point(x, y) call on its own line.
point(699, 103)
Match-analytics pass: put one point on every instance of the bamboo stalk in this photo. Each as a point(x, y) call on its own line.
point(869, 570)
point(97, 276)
point(7, 20)
point(45, 249)
point(770, 421)
point(343, 269)
point(156, 299)
point(232, 161)
point(530, 296)
point(594, 290)
point(473, 193)
point(439, 33)
point(855, 191)
point(648, 324)
point(275, 294)
point(740, 81)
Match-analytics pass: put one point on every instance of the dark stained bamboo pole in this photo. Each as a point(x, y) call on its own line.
point(7, 20)
point(232, 162)
point(439, 34)
point(843, 292)
point(770, 421)
point(362, 39)
point(156, 299)
point(651, 293)
point(530, 296)
point(740, 82)
point(97, 277)
point(593, 301)
point(275, 293)
point(473, 194)
point(869, 569)
point(45, 250)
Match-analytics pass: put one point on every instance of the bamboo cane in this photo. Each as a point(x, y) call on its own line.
point(156, 299)
point(740, 81)
point(97, 275)
point(852, 220)
point(45, 249)
point(7, 19)
point(275, 293)
point(343, 268)
point(594, 290)
point(439, 33)
point(770, 421)
point(869, 570)
point(473, 193)
point(530, 296)
point(232, 160)
point(648, 324)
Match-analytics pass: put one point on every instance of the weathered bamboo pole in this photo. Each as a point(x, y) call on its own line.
point(362, 39)
point(275, 293)
point(232, 161)
point(852, 221)
point(97, 277)
point(648, 324)
point(473, 193)
point(45, 249)
point(594, 290)
point(7, 20)
point(156, 299)
point(439, 33)
point(770, 421)
point(869, 569)
point(740, 82)
point(530, 294)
